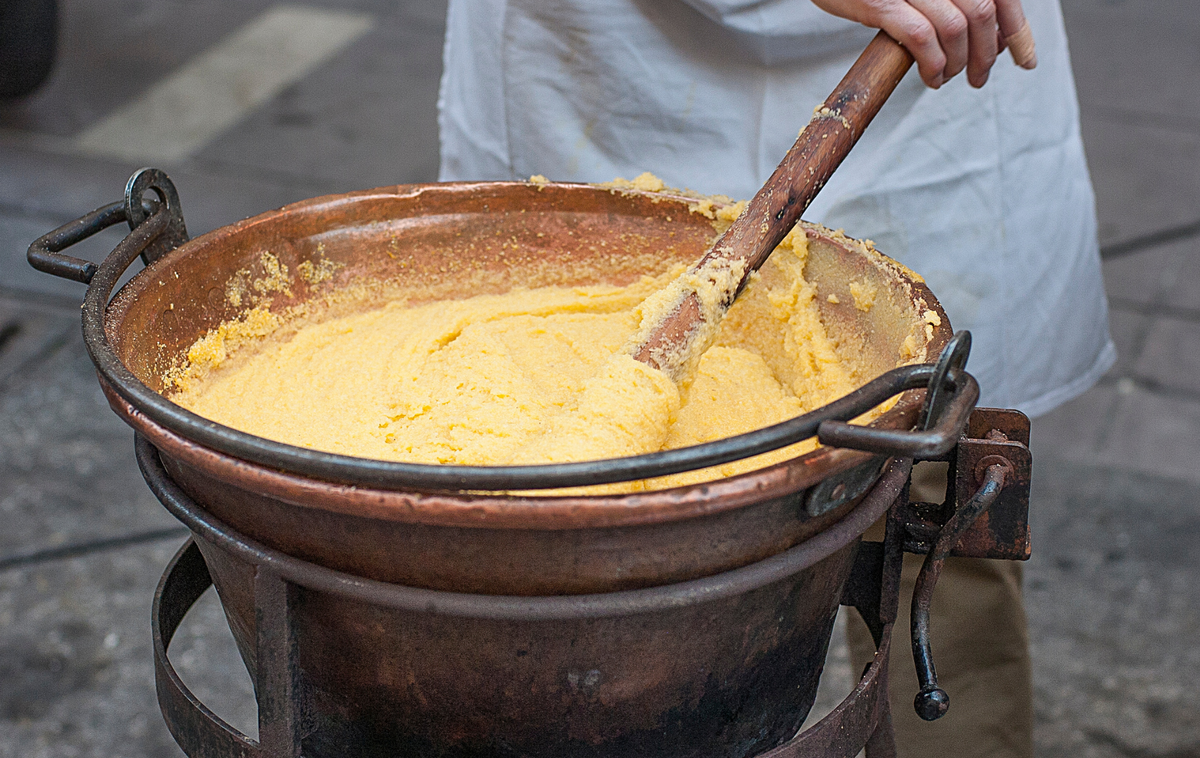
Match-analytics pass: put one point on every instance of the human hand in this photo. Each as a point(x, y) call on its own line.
point(946, 36)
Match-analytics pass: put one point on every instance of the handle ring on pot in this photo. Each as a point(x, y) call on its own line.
point(940, 391)
point(45, 254)
point(136, 211)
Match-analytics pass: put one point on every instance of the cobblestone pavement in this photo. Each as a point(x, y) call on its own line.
point(1114, 583)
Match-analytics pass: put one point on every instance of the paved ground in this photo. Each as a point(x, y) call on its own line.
point(1114, 584)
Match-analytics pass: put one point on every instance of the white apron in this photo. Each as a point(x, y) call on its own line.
point(983, 192)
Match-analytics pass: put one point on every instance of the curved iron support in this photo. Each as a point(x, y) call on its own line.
point(932, 702)
point(522, 607)
point(197, 730)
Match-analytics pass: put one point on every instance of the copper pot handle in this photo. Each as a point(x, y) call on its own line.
point(158, 223)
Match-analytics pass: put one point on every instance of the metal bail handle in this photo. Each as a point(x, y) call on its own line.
point(160, 219)
point(163, 228)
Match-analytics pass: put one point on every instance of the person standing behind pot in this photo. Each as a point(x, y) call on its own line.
point(982, 189)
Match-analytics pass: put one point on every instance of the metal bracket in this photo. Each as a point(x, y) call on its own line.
point(839, 489)
point(986, 515)
point(992, 436)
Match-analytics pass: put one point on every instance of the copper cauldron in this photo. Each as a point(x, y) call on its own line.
point(456, 529)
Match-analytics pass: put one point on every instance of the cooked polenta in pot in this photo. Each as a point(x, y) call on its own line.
point(536, 375)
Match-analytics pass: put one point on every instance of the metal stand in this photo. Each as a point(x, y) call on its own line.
point(863, 719)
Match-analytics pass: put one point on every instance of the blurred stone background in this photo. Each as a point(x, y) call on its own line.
point(1114, 583)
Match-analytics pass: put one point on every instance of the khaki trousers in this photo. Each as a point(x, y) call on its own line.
point(980, 649)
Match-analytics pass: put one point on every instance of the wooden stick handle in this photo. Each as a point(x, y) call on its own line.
point(775, 209)
point(817, 152)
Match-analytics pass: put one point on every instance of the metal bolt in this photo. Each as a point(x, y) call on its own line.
point(987, 462)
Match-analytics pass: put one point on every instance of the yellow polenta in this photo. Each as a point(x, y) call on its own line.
point(531, 376)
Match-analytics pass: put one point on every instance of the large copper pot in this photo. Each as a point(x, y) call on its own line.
point(456, 240)
point(413, 525)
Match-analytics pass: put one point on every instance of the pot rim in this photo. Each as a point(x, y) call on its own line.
point(138, 400)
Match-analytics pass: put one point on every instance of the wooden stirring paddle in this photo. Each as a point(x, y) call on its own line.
point(684, 321)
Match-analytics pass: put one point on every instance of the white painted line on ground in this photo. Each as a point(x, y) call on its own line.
point(181, 114)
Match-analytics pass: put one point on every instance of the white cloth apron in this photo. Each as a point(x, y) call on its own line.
point(983, 192)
